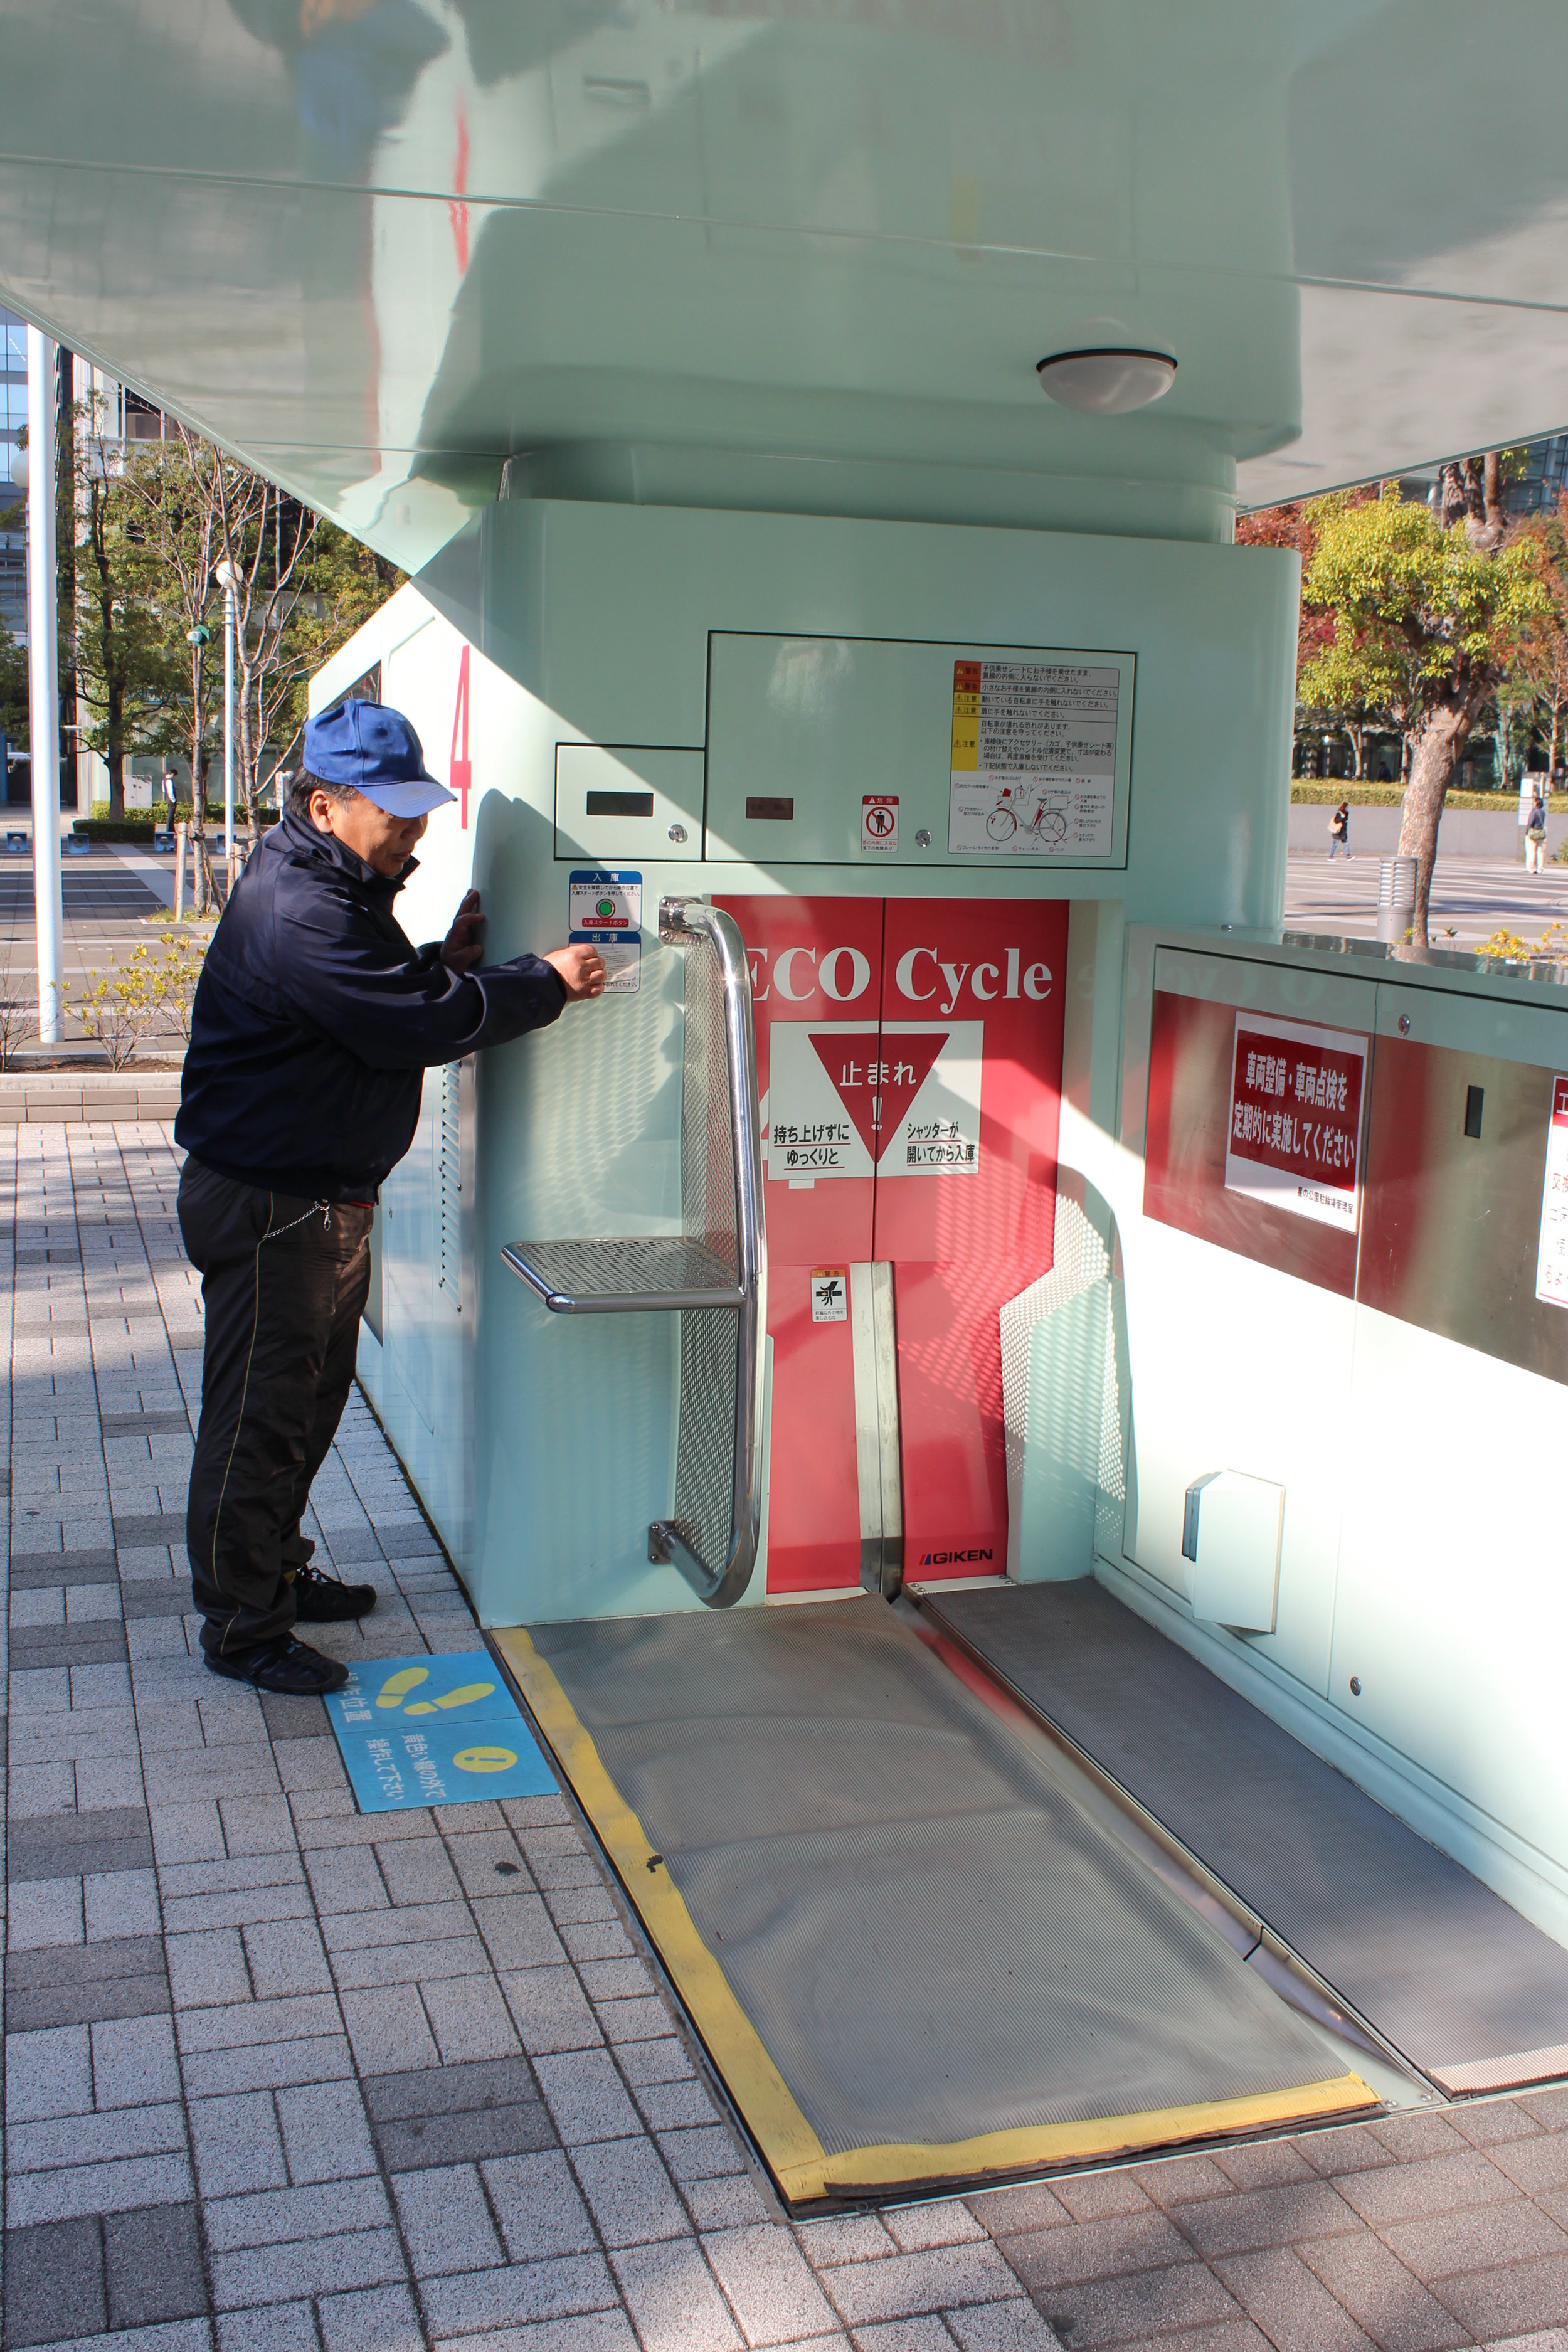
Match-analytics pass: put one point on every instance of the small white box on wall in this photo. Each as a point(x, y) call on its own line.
point(1231, 1531)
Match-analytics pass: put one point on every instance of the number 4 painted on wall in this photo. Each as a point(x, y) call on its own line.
point(462, 766)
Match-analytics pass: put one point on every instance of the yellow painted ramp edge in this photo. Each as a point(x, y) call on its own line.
point(797, 2157)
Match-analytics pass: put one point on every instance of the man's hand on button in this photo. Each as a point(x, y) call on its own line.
point(464, 946)
point(581, 970)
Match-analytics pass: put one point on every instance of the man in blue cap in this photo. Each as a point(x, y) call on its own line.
point(314, 1021)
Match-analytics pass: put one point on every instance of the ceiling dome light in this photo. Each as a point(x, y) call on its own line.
point(1107, 381)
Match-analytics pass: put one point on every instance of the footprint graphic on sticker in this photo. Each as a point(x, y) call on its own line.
point(465, 1696)
point(484, 1759)
point(396, 1687)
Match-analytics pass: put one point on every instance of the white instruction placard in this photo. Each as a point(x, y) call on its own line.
point(605, 911)
point(1551, 1255)
point(1033, 759)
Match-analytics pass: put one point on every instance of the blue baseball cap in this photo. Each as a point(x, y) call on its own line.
point(377, 750)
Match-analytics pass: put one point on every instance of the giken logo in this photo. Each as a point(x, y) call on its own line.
point(956, 1559)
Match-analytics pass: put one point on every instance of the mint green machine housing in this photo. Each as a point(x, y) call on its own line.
point(574, 648)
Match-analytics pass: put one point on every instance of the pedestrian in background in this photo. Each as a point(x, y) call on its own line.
point(1535, 836)
point(1339, 829)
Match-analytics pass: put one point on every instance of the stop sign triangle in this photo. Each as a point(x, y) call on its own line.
point(876, 1078)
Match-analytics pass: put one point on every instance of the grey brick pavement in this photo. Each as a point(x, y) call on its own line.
point(283, 2078)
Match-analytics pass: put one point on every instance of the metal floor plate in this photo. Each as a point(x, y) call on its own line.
point(911, 1954)
point(1450, 1974)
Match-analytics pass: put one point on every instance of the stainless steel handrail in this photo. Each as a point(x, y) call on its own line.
point(720, 1588)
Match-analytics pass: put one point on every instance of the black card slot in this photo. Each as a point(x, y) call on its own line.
point(620, 804)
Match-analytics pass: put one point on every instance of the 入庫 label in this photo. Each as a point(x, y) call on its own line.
point(604, 911)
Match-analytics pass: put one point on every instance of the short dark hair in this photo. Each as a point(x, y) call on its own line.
point(305, 783)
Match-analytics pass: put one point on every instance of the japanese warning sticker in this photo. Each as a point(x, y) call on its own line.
point(606, 911)
point(830, 1294)
point(879, 824)
point(1294, 1134)
point(1552, 1257)
point(1033, 759)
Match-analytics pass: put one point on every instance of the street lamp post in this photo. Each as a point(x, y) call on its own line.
point(196, 638)
point(43, 672)
point(226, 574)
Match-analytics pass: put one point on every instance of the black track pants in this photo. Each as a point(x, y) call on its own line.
point(284, 1282)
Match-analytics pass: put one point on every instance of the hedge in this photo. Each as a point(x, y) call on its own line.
point(1315, 792)
point(137, 827)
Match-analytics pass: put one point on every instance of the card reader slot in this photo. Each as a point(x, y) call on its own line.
point(601, 804)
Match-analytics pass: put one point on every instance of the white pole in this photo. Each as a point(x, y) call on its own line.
point(229, 736)
point(43, 679)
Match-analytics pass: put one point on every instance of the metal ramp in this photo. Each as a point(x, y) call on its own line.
point(915, 1957)
point(1466, 1989)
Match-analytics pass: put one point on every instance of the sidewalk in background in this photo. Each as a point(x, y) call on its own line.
point(1471, 898)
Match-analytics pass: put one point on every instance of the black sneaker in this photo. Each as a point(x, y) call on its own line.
point(283, 1665)
point(322, 1600)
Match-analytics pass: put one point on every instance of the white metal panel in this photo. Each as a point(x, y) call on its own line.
point(600, 796)
point(1231, 1361)
point(1236, 1552)
point(410, 1260)
point(1060, 1483)
point(1452, 1608)
point(811, 723)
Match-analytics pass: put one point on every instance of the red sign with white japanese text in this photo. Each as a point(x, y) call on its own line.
point(875, 1089)
point(1293, 1137)
point(1552, 1254)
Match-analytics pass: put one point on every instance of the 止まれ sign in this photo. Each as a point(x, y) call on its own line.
point(848, 1098)
point(1293, 1128)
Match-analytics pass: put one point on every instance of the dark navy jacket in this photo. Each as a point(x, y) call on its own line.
point(315, 1017)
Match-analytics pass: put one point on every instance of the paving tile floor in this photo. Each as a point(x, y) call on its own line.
point(280, 2077)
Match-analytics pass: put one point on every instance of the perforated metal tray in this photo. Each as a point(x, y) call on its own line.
point(658, 1273)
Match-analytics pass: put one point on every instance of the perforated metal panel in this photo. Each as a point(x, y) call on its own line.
point(705, 1443)
point(708, 1206)
point(705, 1448)
point(657, 1270)
point(712, 1274)
point(449, 1185)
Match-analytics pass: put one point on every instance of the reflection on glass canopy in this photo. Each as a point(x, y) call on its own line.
point(780, 253)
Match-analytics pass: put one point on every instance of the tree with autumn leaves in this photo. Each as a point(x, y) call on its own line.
point(1412, 620)
point(1541, 664)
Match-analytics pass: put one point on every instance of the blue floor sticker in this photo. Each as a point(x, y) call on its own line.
point(434, 1731)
